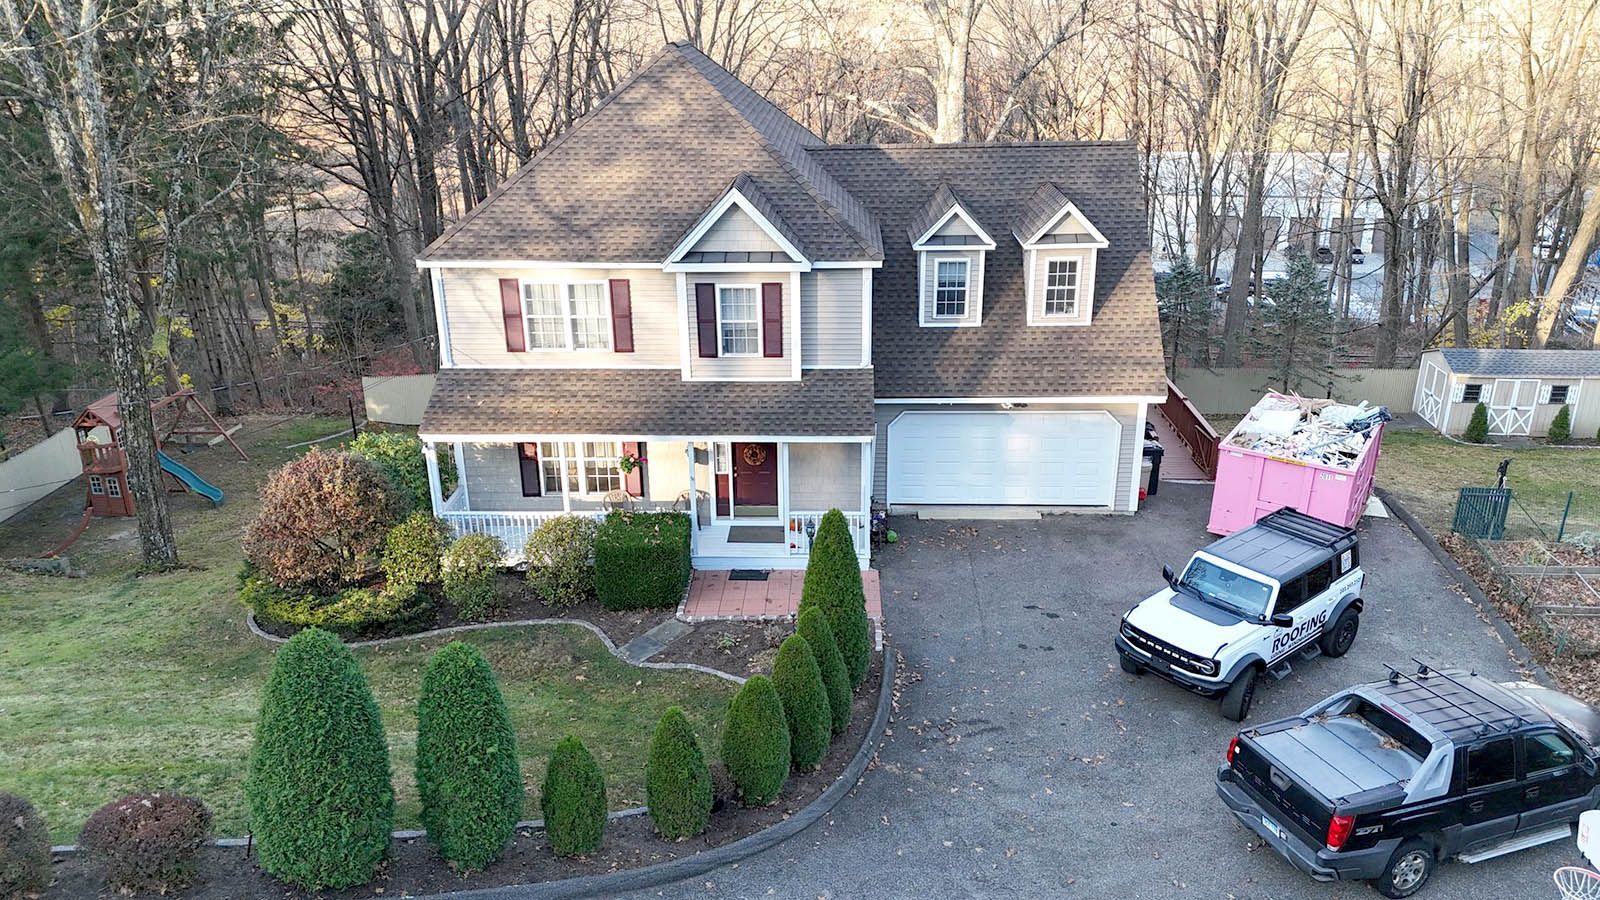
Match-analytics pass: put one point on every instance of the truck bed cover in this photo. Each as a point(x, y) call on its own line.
point(1367, 759)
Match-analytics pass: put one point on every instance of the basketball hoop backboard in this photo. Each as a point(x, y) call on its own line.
point(1589, 836)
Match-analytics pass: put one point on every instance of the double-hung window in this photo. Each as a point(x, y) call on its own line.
point(949, 288)
point(738, 320)
point(595, 470)
point(1061, 287)
point(566, 316)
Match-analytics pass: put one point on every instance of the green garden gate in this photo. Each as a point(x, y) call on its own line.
point(1481, 512)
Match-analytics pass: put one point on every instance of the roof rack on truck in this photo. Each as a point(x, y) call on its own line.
point(1462, 704)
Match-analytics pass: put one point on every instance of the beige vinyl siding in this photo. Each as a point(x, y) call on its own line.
point(929, 270)
point(736, 231)
point(1126, 414)
point(746, 367)
point(666, 471)
point(477, 330)
point(1585, 405)
point(955, 225)
point(824, 477)
point(1038, 262)
point(830, 317)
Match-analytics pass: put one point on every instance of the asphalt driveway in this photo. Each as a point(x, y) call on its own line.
point(1024, 762)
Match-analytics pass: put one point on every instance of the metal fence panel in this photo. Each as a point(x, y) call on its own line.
point(1481, 512)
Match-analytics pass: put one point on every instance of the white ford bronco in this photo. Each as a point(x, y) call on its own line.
point(1289, 584)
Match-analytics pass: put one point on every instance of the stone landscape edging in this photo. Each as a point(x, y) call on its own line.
point(1508, 635)
point(258, 631)
point(664, 873)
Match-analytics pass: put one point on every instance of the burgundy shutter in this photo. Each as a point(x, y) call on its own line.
point(772, 319)
point(633, 482)
point(705, 317)
point(511, 312)
point(621, 316)
point(528, 466)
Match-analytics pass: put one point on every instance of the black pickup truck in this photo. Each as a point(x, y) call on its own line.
point(1383, 781)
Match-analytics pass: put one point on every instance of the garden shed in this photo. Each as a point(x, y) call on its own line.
point(1522, 389)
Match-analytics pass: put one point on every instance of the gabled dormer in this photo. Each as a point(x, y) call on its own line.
point(1060, 247)
point(740, 230)
point(951, 250)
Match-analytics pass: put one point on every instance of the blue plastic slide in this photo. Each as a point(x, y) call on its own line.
point(190, 480)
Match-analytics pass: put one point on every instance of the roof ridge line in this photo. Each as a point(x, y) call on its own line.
point(975, 145)
point(545, 151)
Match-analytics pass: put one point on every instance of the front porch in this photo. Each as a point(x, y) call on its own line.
point(752, 504)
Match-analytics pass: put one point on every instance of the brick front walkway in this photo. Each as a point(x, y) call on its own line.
point(713, 596)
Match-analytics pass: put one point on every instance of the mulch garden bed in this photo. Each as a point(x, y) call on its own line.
point(414, 868)
point(741, 648)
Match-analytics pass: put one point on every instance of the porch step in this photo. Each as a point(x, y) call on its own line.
point(1521, 842)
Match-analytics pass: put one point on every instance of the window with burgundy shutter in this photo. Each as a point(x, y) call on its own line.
point(621, 316)
point(511, 313)
point(705, 317)
point(772, 319)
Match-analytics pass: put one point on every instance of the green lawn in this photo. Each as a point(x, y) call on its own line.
point(1426, 470)
point(117, 683)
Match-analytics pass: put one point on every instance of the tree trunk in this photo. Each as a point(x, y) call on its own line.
point(1553, 309)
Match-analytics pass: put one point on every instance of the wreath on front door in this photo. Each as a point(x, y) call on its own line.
point(754, 454)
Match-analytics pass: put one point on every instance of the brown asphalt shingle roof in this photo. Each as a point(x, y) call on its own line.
point(1119, 354)
point(627, 182)
point(646, 402)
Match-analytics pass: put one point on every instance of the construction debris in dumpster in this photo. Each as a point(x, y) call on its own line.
point(1323, 432)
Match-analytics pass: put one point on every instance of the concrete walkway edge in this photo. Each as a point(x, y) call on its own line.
point(1507, 634)
point(646, 877)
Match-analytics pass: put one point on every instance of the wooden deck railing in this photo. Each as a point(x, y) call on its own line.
point(1192, 428)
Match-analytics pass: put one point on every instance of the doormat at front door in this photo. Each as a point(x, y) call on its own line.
point(748, 575)
point(755, 534)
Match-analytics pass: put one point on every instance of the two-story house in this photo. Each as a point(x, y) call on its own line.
point(776, 326)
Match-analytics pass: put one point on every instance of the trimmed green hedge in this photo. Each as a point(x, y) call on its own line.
point(560, 557)
point(833, 585)
point(321, 804)
point(677, 781)
point(573, 800)
point(755, 742)
point(467, 570)
point(24, 848)
point(468, 775)
point(641, 560)
point(813, 626)
point(400, 457)
point(352, 613)
point(412, 550)
point(805, 702)
point(1561, 425)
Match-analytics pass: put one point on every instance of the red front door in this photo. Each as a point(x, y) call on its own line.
point(755, 476)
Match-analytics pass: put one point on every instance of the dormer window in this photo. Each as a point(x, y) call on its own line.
point(951, 247)
point(1061, 287)
point(950, 288)
point(1060, 247)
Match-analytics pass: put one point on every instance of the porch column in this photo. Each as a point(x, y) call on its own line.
point(460, 451)
point(566, 494)
point(866, 480)
point(694, 502)
point(783, 482)
point(430, 455)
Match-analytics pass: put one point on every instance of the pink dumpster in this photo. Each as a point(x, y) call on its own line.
point(1254, 482)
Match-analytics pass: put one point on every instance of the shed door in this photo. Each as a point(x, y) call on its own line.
point(1433, 390)
point(1511, 405)
point(1003, 458)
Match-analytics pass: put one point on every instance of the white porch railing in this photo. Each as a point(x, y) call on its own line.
point(512, 528)
point(802, 525)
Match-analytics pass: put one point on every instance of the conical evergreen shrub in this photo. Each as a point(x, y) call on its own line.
point(677, 781)
point(1478, 426)
point(833, 585)
point(1561, 425)
point(805, 702)
point(814, 627)
point(321, 804)
point(573, 800)
point(755, 742)
point(468, 776)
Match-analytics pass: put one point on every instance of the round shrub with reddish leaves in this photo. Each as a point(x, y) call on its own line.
point(322, 521)
point(24, 848)
point(147, 842)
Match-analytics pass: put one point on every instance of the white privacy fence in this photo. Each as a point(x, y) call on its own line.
point(37, 471)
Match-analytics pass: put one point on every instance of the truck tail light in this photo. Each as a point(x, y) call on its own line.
point(1339, 828)
point(1233, 748)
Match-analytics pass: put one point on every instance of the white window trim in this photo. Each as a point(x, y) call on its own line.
point(927, 298)
point(569, 335)
point(1088, 260)
point(561, 459)
point(114, 486)
point(97, 485)
point(761, 333)
point(1076, 273)
point(732, 198)
point(966, 288)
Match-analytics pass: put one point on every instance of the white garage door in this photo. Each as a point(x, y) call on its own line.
point(1030, 458)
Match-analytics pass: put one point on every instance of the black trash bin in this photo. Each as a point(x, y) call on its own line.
point(1153, 451)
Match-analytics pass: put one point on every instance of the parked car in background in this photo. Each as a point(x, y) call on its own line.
point(1383, 781)
point(1289, 584)
point(1324, 256)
